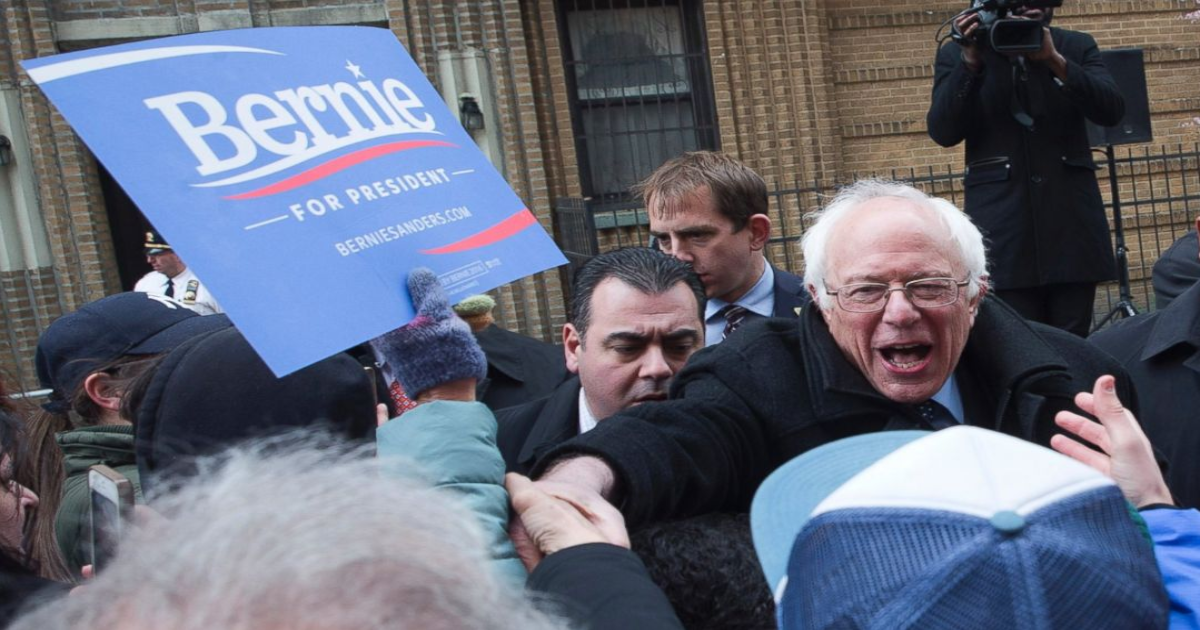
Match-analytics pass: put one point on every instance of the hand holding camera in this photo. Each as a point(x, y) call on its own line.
point(1009, 27)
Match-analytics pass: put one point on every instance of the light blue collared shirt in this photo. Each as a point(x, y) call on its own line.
point(760, 300)
point(950, 398)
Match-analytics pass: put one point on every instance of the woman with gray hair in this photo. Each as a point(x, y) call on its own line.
point(298, 531)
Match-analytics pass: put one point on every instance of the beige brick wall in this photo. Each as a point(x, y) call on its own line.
point(809, 92)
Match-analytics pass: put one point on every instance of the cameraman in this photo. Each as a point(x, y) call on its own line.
point(1030, 182)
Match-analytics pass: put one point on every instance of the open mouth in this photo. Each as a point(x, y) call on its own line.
point(906, 357)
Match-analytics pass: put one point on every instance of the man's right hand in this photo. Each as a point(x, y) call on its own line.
point(1125, 454)
point(551, 516)
point(967, 26)
point(588, 483)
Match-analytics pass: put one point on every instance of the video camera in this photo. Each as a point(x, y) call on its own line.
point(1007, 35)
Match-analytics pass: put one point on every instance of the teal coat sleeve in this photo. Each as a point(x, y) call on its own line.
point(455, 443)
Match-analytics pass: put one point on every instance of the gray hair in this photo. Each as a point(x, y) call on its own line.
point(966, 237)
point(306, 536)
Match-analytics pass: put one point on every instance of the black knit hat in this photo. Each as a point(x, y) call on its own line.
point(215, 391)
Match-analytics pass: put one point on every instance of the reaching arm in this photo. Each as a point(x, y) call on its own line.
point(703, 450)
point(1125, 453)
point(452, 438)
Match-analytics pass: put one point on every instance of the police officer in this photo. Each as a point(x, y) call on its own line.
point(172, 278)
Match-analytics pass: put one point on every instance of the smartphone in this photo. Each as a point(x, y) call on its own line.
point(371, 379)
point(112, 507)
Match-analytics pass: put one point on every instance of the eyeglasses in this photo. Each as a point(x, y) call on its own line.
point(868, 297)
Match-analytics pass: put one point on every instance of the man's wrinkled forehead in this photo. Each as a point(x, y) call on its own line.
point(880, 223)
point(670, 203)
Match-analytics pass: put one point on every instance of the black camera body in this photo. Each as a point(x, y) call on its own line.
point(1007, 35)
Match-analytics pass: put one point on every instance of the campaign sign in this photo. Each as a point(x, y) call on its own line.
point(301, 172)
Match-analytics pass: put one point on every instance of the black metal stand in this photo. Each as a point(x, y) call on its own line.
point(1124, 307)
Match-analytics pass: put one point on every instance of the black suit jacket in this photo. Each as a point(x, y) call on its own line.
point(1161, 350)
point(790, 294)
point(1033, 193)
point(520, 368)
point(528, 431)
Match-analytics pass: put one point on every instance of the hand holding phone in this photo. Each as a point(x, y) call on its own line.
point(112, 507)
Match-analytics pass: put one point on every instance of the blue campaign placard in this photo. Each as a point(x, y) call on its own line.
point(302, 173)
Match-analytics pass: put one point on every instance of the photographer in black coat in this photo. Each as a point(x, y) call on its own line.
point(1030, 181)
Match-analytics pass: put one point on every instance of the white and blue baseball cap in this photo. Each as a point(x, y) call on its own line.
point(962, 528)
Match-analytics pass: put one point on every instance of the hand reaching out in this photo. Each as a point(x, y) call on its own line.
point(551, 516)
point(1126, 455)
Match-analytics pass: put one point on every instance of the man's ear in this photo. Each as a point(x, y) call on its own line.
point(572, 342)
point(975, 301)
point(760, 230)
point(816, 301)
point(98, 387)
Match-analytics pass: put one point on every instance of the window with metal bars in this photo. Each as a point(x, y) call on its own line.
point(639, 88)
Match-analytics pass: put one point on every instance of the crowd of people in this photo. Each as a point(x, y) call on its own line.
point(884, 457)
point(916, 433)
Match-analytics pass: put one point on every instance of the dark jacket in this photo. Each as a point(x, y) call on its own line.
point(21, 590)
point(111, 445)
point(528, 431)
point(1033, 193)
point(790, 294)
point(1161, 351)
point(520, 368)
point(1176, 270)
point(601, 587)
point(779, 388)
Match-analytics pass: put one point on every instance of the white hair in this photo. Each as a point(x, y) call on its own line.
point(966, 237)
point(309, 535)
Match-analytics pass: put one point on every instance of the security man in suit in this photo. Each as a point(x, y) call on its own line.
point(710, 211)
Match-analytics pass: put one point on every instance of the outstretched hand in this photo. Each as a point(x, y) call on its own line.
point(551, 516)
point(1125, 453)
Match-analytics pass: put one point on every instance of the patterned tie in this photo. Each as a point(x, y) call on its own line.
point(170, 292)
point(936, 415)
point(734, 315)
point(399, 399)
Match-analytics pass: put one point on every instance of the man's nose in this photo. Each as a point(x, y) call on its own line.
point(654, 365)
point(898, 310)
point(683, 253)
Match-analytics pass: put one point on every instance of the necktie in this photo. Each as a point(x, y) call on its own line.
point(399, 399)
point(170, 292)
point(734, 316)
point(936, 415)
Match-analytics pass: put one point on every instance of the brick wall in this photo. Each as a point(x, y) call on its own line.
point(807, 92)
point(28, 303)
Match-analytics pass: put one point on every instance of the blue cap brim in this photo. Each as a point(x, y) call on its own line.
point(787, 497)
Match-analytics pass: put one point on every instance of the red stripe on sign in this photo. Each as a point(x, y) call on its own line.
point(502, 230)
point(337, 164)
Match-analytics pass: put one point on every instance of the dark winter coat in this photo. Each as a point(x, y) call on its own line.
point(781, 387)
point(1033, 192)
